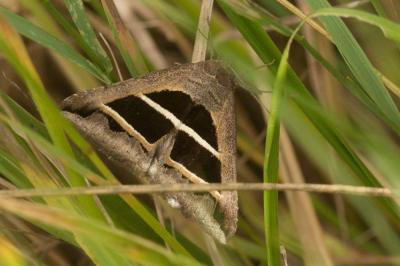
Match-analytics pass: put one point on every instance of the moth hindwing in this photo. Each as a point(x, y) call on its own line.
point(168, 127)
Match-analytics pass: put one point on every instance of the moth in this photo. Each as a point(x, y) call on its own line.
point(168, 127)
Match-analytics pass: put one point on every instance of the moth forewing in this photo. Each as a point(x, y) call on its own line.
point(168, 127)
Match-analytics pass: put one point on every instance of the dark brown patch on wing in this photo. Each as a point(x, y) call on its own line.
point(147, 121)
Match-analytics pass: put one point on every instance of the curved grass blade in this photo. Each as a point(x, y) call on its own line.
point(40, 36)
point(68, 27)
point(14, 50)
point(42, 17)
point(271, 159)
point(345, 78)
point(389, 28)
point(358, 62)
point(301, 97)
point(78, 15)
point(122, 246)
point(12, 255)
point(264, 47)
point(36, 131)
point(131, 54)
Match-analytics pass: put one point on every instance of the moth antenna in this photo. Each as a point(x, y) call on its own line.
point(112, 56)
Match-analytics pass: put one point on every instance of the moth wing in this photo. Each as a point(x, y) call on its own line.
point(208, 85)
point(212, 86)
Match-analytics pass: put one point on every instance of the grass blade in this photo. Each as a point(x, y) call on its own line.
point(271, 161)
point(127, 46)
point(358, 62)
point(118, 242)
point(38, 35)
point(37, 132)
point(78, 15)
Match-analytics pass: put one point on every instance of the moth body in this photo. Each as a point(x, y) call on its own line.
point(169, 127)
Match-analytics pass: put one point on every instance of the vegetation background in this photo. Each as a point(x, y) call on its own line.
point(328, 86)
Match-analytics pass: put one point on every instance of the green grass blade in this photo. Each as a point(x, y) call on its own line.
point(69, 28)
point(359, 64)
point(13, 49)
point(116, 242)
point(389, 28)
point(37, 132)
point(378, 8)
point(346, 79)
point(130, 52)
point(12, 255)
point(252, 31)
point(314, 143)
point(11, 171)
point(78, 15)
point(96, 5)
point(271, 161)
point(267, 51)
point(43, 18)
point(40, 36)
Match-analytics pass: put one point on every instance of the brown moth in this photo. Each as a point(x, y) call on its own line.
point(172, 126)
